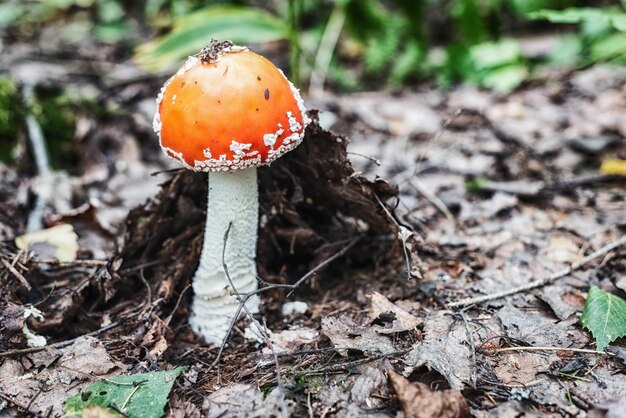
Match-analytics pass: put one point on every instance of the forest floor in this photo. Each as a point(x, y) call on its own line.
point(440, 196)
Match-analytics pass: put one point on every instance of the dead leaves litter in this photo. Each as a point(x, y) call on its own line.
point(418, 401)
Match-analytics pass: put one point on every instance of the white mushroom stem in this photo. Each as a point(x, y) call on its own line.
point(233, 199)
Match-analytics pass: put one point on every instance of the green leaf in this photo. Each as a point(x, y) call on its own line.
point(495, 54)
point(138, 396)
point(604, 315)
point(193, 31)
point(505, 79)
point(596, 15)
point(610, 48)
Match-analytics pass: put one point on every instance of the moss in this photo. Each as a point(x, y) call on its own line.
point(11, 118)
point(310, 383)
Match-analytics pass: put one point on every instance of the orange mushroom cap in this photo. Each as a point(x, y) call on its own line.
point(228, 108)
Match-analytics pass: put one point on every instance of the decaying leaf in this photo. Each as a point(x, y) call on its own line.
point(394, 318)
point(52, 375)
point(418, 401)
point(60, 242)
point(444, 349)
point(242, 400)
point(345, 334)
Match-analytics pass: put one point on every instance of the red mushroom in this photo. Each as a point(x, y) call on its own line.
point(226, 111)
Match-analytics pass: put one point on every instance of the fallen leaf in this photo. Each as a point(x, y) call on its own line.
point(604, 315)
point(444, 349)
point(418, 401)
point(290, 339)
point(58, 370)
point(245, 400)
point(387, 312)
point(60, 242)
point(346, 335)
point(561, 250)
point(613, 167)
point(136, 395)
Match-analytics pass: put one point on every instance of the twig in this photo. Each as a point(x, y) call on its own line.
point(403, 233)
point(262, 330)
point(532, 189)
point(544, 280)
point(346, 365)
point(243, 297)
point(19, 405)
point(472, 344)
point(16, 273)
point(65, 343)
point(534, 348)
point(432, 197)
point(369, 157)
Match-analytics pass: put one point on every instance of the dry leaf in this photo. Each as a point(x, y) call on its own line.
point(60, 242)
point(345, 334)
point(444, 349)
point(384, 310)
point(418, 401)
point(613, 167)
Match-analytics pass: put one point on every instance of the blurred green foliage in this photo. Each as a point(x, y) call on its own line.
point(57, 113)
point(191, 32)
point(11, 115)
point(365, 43)
point(105, 20)
point(602, 32)
point(350, 44)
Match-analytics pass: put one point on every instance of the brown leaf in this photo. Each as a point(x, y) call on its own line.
point(418, 401)
point(346, 335)
point(400, 319)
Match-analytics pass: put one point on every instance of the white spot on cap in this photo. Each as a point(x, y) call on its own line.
point(270, 139)
point(239, 149)
point(294, 125)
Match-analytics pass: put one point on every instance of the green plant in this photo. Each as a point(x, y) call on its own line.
point(105, 20)
point(11, 117)
point(604, 315)
point(138, 395)
point(193, 31)
point(602, 32)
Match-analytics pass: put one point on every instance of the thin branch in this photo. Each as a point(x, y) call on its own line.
point(65, 343)
point(544, 280)
point(534, 348)
point(432, 197)
point(404, 234)
point(339, 367)
point(262, 330)
point(16, 273)
point(243, 297)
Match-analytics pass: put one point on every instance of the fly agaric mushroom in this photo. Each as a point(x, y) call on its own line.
point(226, 111)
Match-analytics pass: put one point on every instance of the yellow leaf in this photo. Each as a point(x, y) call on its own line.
point(60, 242)
point(613, 167)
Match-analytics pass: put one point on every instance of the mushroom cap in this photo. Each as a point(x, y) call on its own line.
point(228, 108)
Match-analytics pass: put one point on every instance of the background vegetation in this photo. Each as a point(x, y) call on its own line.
point(342, 45)
point(351, 44)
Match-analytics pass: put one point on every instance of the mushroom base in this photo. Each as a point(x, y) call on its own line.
point(232, 200)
